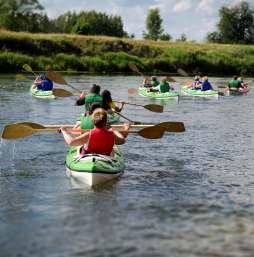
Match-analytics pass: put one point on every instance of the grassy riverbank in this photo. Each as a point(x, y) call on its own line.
point(105, 54)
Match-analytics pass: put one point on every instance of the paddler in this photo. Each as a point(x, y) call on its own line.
point(99, 140)
point(92, 97)
point(154, 81)
point(43, 83)
point(108, 104)
point(234, 84)
point(86, 121)
point(206, 85)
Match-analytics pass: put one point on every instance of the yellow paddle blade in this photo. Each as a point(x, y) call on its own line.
point(20, 77)
point(27, 67)
point(59, 92)
point(56, 77)
point(16, 131)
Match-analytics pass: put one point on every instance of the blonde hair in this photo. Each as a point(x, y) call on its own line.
point(99, 117)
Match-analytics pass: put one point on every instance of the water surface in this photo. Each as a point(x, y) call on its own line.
point(187, 194)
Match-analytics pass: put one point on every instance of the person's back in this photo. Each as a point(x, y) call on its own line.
point(164, 86)
point(43, 83)
point(206, 85)
point(234, 83)
point(101, 141)
point(86, 121)
point(154, 81)
point(93, 97)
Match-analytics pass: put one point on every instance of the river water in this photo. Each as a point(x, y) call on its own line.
point(186, 194)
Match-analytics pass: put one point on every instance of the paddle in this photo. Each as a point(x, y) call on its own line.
point(61, 92)
point(59, 79)
point(134, 68)
point(20, 77)
point(150, 107)
point(16, 131)
point(150, 131)
point(28, 68)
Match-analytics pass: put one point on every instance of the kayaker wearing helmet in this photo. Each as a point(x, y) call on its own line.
point(206, 85)
point(99, 140)
point(92, 97)
point(108, 104)
point(43, 83)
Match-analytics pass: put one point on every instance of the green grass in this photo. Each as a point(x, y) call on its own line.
point(67, 52)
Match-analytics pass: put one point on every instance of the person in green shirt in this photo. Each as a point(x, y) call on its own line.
point(234, 84)
point(86, 121)
point(92, 97)
point(154, 81)
point(164, 86)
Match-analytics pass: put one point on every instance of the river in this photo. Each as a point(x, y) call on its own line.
point(186, 194)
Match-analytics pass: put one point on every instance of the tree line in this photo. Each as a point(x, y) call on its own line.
point(236, 24)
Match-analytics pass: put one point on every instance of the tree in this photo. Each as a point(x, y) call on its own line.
point(214, 37)
point(22, 15)
point(182, 38)
point(165, 37)
point(153, 25)
point(236, 25)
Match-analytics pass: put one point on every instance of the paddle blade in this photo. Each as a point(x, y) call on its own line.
point(27, 67)
point(133, 67)
point(153, 132)
point(172, 126)
point(32, 125)
point(132, 91)
point(16, 131)
point(20, 77)
point(154, 107)
point(56, 77)
point(59, 92)
point(170, 79)
point(182, 72)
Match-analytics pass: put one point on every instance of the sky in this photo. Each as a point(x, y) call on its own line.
point(195, 18)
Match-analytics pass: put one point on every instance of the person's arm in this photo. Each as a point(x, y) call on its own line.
point(121, 136)
point(74, 141)
point(114, 107)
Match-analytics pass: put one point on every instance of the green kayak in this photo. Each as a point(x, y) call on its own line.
point(195, 92)
point(93, 169)
point(42, 94)
point(113, 118)
point(157, 95)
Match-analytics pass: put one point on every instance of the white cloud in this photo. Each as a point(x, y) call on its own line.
point(182, 6)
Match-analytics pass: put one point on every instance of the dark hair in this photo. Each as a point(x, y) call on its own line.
point(95, 89)
point(235, 77)
point(93, 107)
point(106, 99)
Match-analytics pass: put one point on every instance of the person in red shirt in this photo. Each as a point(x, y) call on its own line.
point(99, 140)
